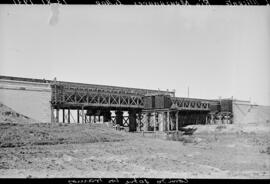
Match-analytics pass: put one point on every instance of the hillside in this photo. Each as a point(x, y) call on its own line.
point(8, 115)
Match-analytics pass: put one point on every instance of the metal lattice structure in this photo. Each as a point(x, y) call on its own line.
point(190, 104)
point(148, 109)
point(74, 95)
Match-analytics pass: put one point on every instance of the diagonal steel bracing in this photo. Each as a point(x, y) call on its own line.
point(68, 95)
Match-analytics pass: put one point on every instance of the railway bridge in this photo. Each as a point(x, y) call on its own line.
point(91, 101)
point(66, 102)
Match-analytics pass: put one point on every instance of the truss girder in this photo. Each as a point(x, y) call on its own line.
point(76, 96)
point(190, 104)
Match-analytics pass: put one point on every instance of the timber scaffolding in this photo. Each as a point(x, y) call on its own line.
point(148, 110)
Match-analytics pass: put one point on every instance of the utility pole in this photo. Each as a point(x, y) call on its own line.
point(188, 91)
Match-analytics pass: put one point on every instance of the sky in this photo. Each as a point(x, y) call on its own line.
point(214, 51)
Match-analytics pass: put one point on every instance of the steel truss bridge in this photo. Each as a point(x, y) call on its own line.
point(91, 100)
point(74, 95)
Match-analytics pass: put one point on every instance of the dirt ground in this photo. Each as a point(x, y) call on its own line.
point(214, 154)
point(46, 150)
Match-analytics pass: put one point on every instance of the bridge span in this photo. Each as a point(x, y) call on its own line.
point(147, 109)
point(75, 95)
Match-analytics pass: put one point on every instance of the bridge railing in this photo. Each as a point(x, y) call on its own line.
point(111, 89)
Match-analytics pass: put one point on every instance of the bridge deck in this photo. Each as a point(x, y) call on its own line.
point(75, 95)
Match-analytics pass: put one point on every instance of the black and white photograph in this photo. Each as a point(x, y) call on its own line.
point(134, 91)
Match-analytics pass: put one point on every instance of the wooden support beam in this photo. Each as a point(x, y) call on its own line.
point(162, 119)
point(168, 121)
point(177, 126)
point(180, 117)
point(155, 121)
point(83, 121)
point(63, 110)
point(119, 117)
point(57, 115)
point(147, 116)
point(171, 123)
point(140, 121)
point(148, 121)
point(212, 119)
point(68, 115)
point(78, 116)
point(132, 121)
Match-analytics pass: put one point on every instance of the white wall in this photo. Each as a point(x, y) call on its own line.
point(28, 98)
point(247, 113)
